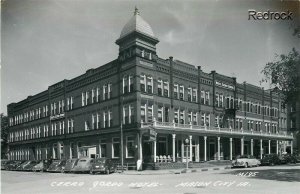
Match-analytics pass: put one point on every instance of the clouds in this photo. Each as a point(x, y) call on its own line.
point(44, 42)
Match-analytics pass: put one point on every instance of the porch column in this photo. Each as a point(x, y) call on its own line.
point(219, 148)
point(173, 137)
point(205, 157)
point(242, 146)
point(291, 146)
point(197, 150)
point(252, 147)
point(191, 148)
point(284, 146)
point(230, 147)
point(261, 148)
point(182, 149)
point(276, 146)
point(140, 147)
point(154, 150)
point(269, 146)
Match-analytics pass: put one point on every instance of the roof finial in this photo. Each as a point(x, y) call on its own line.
point(136, 11)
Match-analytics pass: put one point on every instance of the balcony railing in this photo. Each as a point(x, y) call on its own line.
point(217, 130)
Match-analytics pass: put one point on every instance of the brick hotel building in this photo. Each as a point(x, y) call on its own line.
point(158, 103)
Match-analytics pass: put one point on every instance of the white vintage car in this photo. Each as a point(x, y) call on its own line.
point(245, 161)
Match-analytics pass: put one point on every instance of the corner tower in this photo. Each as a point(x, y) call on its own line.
point(137, 39)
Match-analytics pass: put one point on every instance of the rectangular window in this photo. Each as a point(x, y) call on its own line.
point(98, 121)
point(93, 96)
point(150, 113)
point(207, 98)
point(160, 114)
point(207, 120)
point(181, 92)
point(202, 97)
point(176, 116)
point(86, 126)
point(131, 114)
point(176, 91)
point(68, 104)
point(87, 97)
point(143, 83)
point(195, 120)
point(159, 87)
point(104, 92)
point(194, 98)
point(130, 148)
point(182, 117)
point(82, 99)
point(166, 114)
point(103, 148)
point(190, 94)
point(94, 121)
point(98, 94)
point(110, 118)
point(116, 147)
point(130, 82)
point(143, 113)
point(202, 119)
point(125, 85)
point(125, 115)
point(109, 91)
point(150, 85)
point(166, 89)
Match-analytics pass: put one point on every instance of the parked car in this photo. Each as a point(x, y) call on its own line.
point(270, 159)
point(102, 165)
point(10, 165)
point(30, 166)
point(57, 166)
point(70, 164)
point(23, 165)
point(3, 163)
point(83, 165)
point(245, 161)
point(288, 158)
point(42, 166)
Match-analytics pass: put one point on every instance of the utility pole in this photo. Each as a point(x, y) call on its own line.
point(121, 131)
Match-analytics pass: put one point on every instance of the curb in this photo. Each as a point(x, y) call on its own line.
point(180, 171)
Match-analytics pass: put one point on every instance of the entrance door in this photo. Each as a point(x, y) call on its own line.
point(194, 153)
point(147, 151)
point(212, 151)
point(92, 152)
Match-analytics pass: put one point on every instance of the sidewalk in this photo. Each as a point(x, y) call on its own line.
point(174, 171)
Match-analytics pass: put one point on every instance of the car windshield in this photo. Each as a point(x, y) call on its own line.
point(82, 160)
point(101, 160)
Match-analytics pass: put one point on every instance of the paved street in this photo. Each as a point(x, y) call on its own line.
point(277, 179)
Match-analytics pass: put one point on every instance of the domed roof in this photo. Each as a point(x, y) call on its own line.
point(137, 23)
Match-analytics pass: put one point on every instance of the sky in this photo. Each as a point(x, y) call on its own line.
point(44, 42)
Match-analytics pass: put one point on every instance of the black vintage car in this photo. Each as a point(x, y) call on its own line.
point(42, 165)
point(270, 159)
point(23, 165)
point(3, 164)
point(102, 165)
point(30, 166)
point(57, 166)
point(70, 164)
point(13, 165)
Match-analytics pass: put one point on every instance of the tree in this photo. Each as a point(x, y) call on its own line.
point(284, 74)
point(4, 134)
